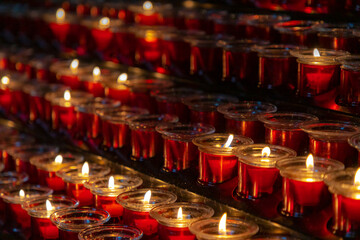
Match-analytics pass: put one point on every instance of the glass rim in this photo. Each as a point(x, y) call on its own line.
point(354, 141)
point(149, 84)
point(96, 104)
point(250, 109)
point(267, 19)
point(285, 120)
point(331, 129)
point(275, 50)
point(43, 161)
point(208, 102)
point(174, 94)
point(245, 45)
point(184, 132)
point(26, 151)
point(342, 182)
point(16, 199)
point(121, 114)
point(73, 174)
point(124, 229)
point(351, 62)
point(10, 177)
point(294, 26)
point(149, 121)
point(327, 56)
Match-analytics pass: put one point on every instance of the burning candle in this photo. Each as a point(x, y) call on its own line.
point(72, 221)
point(179, 151)
point(75, 176)
point(258, 176)
point(217, 162)
point(48, 164)
point(174, 219)
point(102, 33)
point(223, 228)
point(242, 118)
point(115, 231)
point(304, 190)
point(92, 83)
point(148, 13)
point(40, 210)
point(137, 205)
point(106, 189)
point(118, 90)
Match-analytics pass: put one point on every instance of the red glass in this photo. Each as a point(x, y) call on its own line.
point(60, 30)
point(116, 135)
point(179, 155)
point(68, 235)
point(295, 139)
point(63, 117)
point(80, 193)
point(298, 32)
point(194, 19)
point(18, 219)
point(88, 125)
point(36, 105)
point(120, 94)
point(295, 5)
point(50, 180)
point(73, 81)
point(145, 144)
point(95, 88)
point(24, 166)
point(142, 221)
point(349, 87)
point(148, 47)
point(212, 118)
point(262, 27)
point(102, 38)
point(110, 205)
point(125, 45)
point(43, 229)
point(248, 128)
point(145, 19)
point(143, 100)
point(174, 233)
point(339, 39)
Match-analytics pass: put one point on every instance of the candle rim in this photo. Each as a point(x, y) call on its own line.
point(184, 132)
point(286, 120)
point(46, 161)
point(149, 121)
point(11, 194)
point(12, 178)
point(174, 94)
point(26, 151)
point(246, 109)
point(123, 229)
point(354, 141)
point(96, 104)
point(148, 84)
point(72, 174)
point(121, 114)
point(327, 56)
point(293, 26)
point(338, 130)
point(208, 102)
point(342, 183)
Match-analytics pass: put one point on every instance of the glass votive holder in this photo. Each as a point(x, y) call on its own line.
point(217, 162)
point(140, 90)
point(174, 219)
point(354, 141)
point(125, 41)
point(179, 151)
point(329, 139)
point(203, 109)
point(194, 19)
point(208, 229)
point(137, 208)
point(40, 210)
point(72, 221)
point(17, 219)
point(146, 143)
point(106, 189)
point(75, 176)
point(49, 163)
point(284, 129)
point(115, 130)
point(242, 118)
point(258, 176)
point(304, 190)
point(38, 68)
point(115, 231)
point(148, 13)
point(339, 39)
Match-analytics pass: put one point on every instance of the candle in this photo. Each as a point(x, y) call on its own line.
point(102, 32)
point(115, 231)
point(116, 89)
point(339, 39)
point(38, 68)
point(217, 162)
point(148, 13)
point(258, 176)
point(284, 129)
point(194, 19)
point(242, 118)
point(72, 221)
point(304, 191)
point(223, 228)
point(137, 205)
point(203, 108)
point(146, 143)
point(174, 219)
point(179, 151)
point(40, 210)
point(106, 189)
point(75, 176)
point(92, 83)
point(48, 164)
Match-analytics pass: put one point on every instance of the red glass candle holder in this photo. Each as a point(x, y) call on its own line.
point(258, 176)
point(146, 143)
point(329, 139)
point(148, 13)
point(115, 130)
point(115, 231)
point(304, 190)
point(117, 10)
point(354, 141)
point(284, 129)
point(179, 151)
point(242, 118)
point(74, 181)
point(203, 109)
point(140, 92)
point(38, 68)
point(17, 218)
point(136, 210)
point(125, 46)
point(40, 210)
point(48, 164)
point(217, 162)
point(349, 93)
point(72, 221)
point(194, 19)
point(175, 225)
point(262, 27)
point(339, 39)
point(105, 193)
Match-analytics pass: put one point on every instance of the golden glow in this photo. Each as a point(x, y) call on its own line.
point(60, 15)
point(67, 95)
point(229, 141)
point(316, 52)
point(150, 36)
point(85, 169)
point(104, 23)
point(58, 159)
point(21, 193)
point(96, 73)
point(111, 183)
point(74, 65)
point(5, 80)
point(49, 207)
point(147, 197)
point(222, 224)
point(357, 177)
point(148, 5)
point(310, 162)
point(180, 214)
point(122, 78)
point(265, 152)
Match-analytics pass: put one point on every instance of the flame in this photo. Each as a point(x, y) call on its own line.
point(5, 80)
point(74, 65)
point(357, 178)
point(265, 152)
point(49, 207)
point(229, 141)
point(148, 5)
point(147, 197)
point(122, 78)
point(67, 95)
point(104, 23)
point(85, 169)
point(111, 184)
point(150, 36)
point(222, 224)
point(96, 73)
point(310, 162)
point(21, 193)
point(58, 159)
point(60, 15)
point(316, 52)
point(180, 214)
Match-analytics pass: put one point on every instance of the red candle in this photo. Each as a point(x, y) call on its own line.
point(217, 163)
point(102, 33)
point(349, 94)
point(174, 219)
point(93, 82)
point(117, 89)
point(242, 118)
point(194, 19)
point(304, 190)
point(146, 143)
point(258, 176)
point(179, 151)
point(284, 129)
point(137, 205)
point(339, 39)
point(148, 13)
point(38, 68)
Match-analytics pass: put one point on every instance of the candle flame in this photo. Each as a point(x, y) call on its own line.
point(60, 15)
point(265, 152)
point(111, 184)
point(104, 23)
point(122, 77)
point(85, 169)
point(180, 214)
point(67, 95)
point(21, 193)
point(74, 65)
point(229, 141)
point(5, 80)
point(148, 5)
point(150, 36)
point(316, 52)
point(310, 162)
point(96, 73)
point(58, 159)
point(357, 178)
point(49, 207)
point(222, 224)
point(147, 197)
